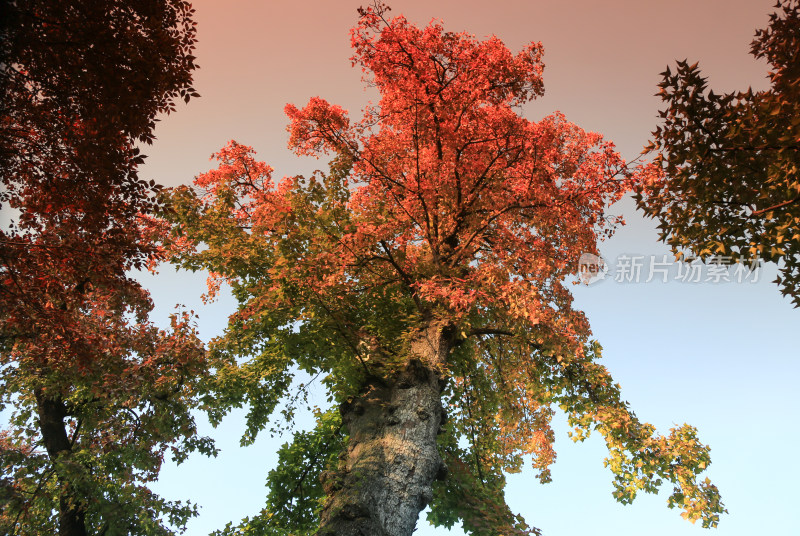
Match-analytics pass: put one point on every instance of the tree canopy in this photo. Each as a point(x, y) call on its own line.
point(730, 187)
point(423, 276)
point(99, 394)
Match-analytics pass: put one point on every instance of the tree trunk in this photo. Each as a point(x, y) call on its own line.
point(52, 412)
point(392, 458)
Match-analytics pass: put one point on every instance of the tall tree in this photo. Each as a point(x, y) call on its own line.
point(731, 185)
point(99, 394)
point(424, 277)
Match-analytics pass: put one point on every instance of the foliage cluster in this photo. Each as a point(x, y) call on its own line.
point(730, 161)
point(100, 395)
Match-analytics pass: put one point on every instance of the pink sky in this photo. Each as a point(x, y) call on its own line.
point(602, 63)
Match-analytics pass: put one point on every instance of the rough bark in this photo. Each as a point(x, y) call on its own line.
point(52, 411)
point(392, 458)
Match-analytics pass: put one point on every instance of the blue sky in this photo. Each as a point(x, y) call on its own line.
point(721, 356)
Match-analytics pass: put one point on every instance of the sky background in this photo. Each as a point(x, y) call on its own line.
point(720, 356)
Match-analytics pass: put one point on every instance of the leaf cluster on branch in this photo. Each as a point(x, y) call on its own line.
point(730, 186)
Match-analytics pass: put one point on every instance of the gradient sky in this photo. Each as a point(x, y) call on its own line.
point(720, 356)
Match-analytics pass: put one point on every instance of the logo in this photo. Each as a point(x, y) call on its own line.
point(591, 268)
